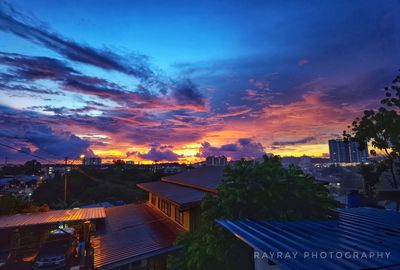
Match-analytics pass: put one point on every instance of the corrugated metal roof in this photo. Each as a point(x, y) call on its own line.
point(180, 195)
point(132, 231)
point(206, 178)
point(50, 217)
point(356, 230)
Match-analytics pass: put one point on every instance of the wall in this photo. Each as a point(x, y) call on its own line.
point(174, 209)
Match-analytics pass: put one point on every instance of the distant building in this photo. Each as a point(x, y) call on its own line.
point(50, 171)
point(91, 161)
point(21, 186)
point(341, 151)
point(216, 161)
point(357, 155)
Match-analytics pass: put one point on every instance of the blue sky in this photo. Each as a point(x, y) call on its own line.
point(118, 75)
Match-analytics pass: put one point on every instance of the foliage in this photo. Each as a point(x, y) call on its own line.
point(253, 190)
point(381, 128)
point(32, 167)
point(8, 205)
point(112, 184)
point(371, 173)
point(12, 205)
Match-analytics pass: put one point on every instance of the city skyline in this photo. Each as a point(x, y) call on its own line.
point(178, 81)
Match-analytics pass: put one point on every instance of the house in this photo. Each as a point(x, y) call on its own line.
point(360, 238)
point(178, 196)
point(132, 236)
point(22, 235)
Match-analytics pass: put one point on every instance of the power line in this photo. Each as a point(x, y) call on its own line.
point(48, 160)
point(27, 153)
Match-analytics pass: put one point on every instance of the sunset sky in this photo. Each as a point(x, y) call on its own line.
point(177, 81)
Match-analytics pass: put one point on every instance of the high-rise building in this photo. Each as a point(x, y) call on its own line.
point(357, 155)
point(341, 151)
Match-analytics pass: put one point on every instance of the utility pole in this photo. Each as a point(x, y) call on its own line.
point(65, 181)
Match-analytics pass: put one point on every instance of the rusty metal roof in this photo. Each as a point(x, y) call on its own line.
point(206, 178)
point(180, 195)
point(132, 232)
point(51, 217)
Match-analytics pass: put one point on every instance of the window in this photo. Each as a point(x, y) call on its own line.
point(164, 206)
point(179, 216)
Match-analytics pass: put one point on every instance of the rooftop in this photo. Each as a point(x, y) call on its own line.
point(51, 217)
point(206, 178)
point(356, 230)
point(182, 196)
point(133, 232)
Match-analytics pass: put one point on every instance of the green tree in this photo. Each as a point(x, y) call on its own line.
point(371, 174)
point(112, 184)
point(32, 167)
point(381, 128)
point(10, 204)
point(253, 190)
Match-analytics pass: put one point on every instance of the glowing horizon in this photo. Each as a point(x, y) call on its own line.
point(180, 81)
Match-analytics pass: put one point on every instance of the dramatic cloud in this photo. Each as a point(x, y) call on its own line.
point(160, 155)
point(74, 51)
point(26, 131)
point(268, 78)
point(243, 148)
point(187, 93)
point(28, 69)
point(300, 141)
point(56, 144)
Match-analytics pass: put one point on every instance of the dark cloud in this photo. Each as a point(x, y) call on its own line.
point(118, 125)
point(179, 93)
point(102, 58)
point(55, 144)
point(187, 93)
point(243, 148)
point(28, 130)
point(13, 88)
point(231, 147)
point(294, 142)
point(349, 57)
point(35, 67)
point(362, 88)
point(26, 70)
point(162, 147)
point(160, 155)
point(244, 141)
point(62, 110)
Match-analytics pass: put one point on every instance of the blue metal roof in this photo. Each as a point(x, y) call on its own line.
point(357, 230)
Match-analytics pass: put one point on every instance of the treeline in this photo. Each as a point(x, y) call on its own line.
point(10, 204)
point(95, 185)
